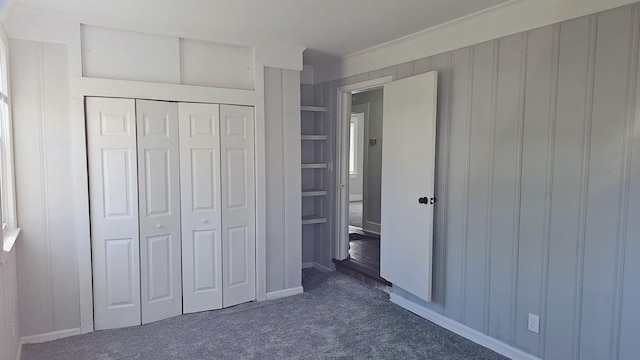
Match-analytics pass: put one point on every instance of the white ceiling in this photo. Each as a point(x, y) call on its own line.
point(336, 27)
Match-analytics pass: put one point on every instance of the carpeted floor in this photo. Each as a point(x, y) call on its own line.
point(355, 213)
point(336, 318)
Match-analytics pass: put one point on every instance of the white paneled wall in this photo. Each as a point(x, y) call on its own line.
point(47, 249)
point(9, 327)
point(52, 195)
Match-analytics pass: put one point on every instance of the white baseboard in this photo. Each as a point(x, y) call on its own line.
point(50, 336)
point(463, 330)
point(284, 293)
point(321, 267)
point(355, 197)
point(317, 266)
point(372, 227)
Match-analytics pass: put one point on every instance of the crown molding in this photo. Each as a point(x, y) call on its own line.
point(505, 19)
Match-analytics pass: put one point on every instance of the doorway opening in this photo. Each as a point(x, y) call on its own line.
point(358, 246)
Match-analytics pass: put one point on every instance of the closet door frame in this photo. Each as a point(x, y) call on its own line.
point(258, 272)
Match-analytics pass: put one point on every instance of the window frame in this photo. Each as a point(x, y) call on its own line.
point(8, 216)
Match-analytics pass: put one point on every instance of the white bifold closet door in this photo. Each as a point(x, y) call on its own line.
point(172, 208)
point(111, 132)
point(238, 204)
point(201, 206)
point(218, 205)
point(159, 209)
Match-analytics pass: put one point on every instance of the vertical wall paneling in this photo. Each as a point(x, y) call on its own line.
point(573, 88)
point(542, 184)
point(275, 178)
point(504, 210)
point(54, 123)
point(458, 154)
point(404, 70)
point(627, 344)
point(284, 247)
point(476, 284)
point(602, 234)
point(625, 190)
point(49, 294)
point(537, 149)
point(9, 331)
point(292, 179)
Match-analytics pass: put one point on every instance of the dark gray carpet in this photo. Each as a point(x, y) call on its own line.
point(336, 318)
point(355, 213)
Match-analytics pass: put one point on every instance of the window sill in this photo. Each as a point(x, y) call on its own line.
point(353, 175)
point(10, 237)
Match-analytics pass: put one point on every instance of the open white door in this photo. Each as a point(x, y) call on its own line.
point(408, 166)
point(113, 183)
point(238, 204)
point(201, 203)
point(159, 206)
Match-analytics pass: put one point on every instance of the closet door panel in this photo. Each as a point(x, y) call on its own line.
point(238, 204)
point(159, 206)
point(111, 146)
point(200, 204)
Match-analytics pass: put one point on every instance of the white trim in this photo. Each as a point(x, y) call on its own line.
point(50, 336)
point(284, 293)
point(322, 268)
point(462, 330)
point(81, 87)
point(84, 86)
point(505, 19)
point(19, 352)
point(317, 266)
point(343, 117)
point(81, 203)
point(260, 183)
point(365, 85)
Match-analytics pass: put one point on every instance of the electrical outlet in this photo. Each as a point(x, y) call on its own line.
point(534, 323)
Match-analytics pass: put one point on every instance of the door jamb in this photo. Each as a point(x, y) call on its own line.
point(343, 118)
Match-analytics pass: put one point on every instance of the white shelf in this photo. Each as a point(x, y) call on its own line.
point(313, 137)
point(313, 219)
point(313, 108)
point(314, 166)
point(314, 193)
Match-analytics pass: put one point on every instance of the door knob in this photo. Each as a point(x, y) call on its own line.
point(204, 221)
point(426, 200)
point(158, 226)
